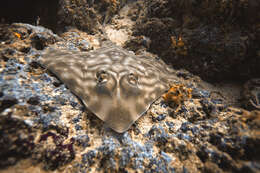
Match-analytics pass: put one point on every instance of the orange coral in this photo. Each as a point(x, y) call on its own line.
point(17, 35)
point(179, 45)
point(112, 7)
point(113, 4)
point(177, 94)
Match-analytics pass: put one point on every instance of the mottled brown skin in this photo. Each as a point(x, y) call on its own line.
point(114, 84)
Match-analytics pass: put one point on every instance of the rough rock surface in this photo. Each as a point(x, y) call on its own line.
point(43, 121)
point(217, 40)
point(44, 127)
point(86, 15)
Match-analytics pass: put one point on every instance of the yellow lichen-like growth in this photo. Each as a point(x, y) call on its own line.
point(179, 46)
point(177, 94)
point(17, 35)
point(113, 5)
point(112, 8)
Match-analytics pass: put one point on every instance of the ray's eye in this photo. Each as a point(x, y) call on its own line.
point(102, 76)
point(132, 79)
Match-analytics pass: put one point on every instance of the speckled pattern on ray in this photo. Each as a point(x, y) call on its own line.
point(116, 85)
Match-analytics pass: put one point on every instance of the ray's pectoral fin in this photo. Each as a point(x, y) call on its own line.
point(119, 119)
point(66, 66)
point(108, 83)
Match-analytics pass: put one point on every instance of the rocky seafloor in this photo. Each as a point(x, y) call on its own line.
point(45, 128)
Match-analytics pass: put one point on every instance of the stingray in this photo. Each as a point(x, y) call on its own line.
point(115, 84)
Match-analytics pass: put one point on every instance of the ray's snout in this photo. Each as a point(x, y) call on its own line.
point(118, 95)
point(119, 119)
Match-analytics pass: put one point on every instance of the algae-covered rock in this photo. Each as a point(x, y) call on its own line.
point(217, 40)
point(42, 121)
point(45, 127)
